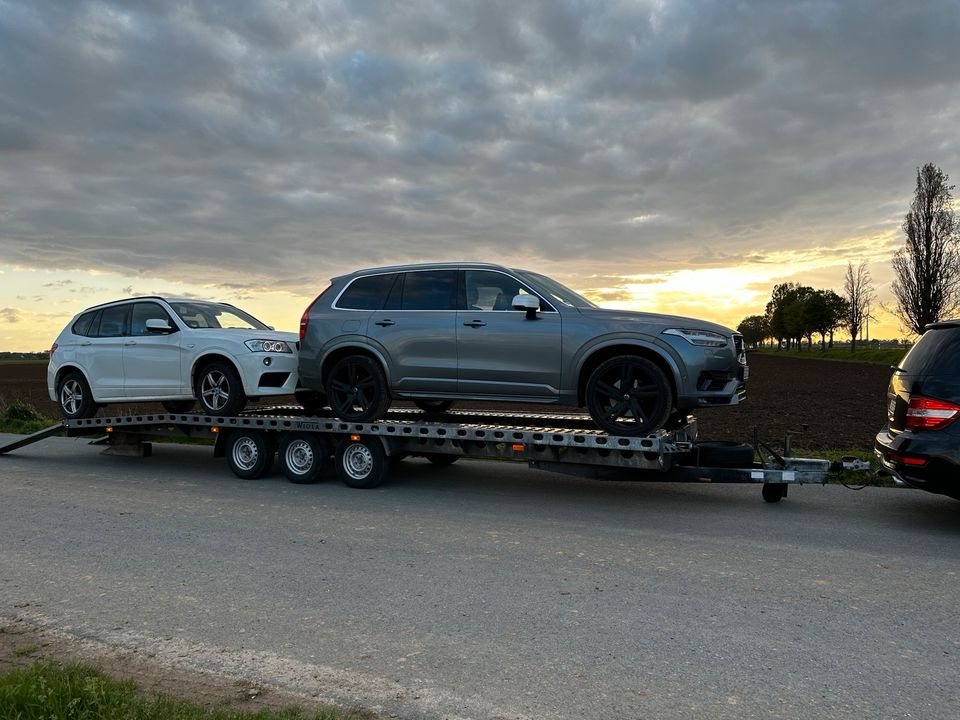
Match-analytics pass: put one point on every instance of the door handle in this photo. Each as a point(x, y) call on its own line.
point(86, 344)
point(384, 323)
point(132, 342)
point(474, 323)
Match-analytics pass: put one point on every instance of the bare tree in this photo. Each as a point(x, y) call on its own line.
point(858, 292)
point(927, 268)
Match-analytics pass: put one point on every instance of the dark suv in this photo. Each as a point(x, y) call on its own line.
point(920, 445)
point(474, 331)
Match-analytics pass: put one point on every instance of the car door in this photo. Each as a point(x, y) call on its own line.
point(416, 332)
point(500, 352)
point(101, 354)
point(151, 359)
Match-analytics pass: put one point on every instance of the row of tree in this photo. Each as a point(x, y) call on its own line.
point(926, 283)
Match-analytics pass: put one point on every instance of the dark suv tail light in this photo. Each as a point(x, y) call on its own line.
point(925, 413)
point(305, 318)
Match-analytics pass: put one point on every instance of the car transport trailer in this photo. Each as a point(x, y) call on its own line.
point(309, 446)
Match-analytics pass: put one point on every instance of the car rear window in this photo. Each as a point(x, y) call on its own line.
point(367, 293)
point(82, 325)
point(935, 353)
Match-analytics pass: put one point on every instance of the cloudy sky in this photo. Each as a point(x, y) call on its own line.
point(680, 155)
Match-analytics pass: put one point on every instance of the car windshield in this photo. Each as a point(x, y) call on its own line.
point(215, 315)
point(556, 291)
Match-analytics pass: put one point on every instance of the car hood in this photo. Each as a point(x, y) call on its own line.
point(243, 335)
point(630, 317)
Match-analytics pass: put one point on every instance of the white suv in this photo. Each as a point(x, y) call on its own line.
point(172, 351)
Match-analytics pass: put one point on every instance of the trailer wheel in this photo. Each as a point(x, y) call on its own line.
point(361, 462)
point(774, 492)
point(304, 457)
point(441, 459)
point(249, 454)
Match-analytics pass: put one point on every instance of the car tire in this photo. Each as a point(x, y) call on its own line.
point(249, 453)
point(361, 463)
point(433, 407)
point(310, 400)
point(640, 407)
point(219, 389)
point(175, 407)
point(304, 457)
point(74, 397)
point(721, 454)
point(357, 389)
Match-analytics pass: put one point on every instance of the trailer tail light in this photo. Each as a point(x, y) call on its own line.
point(925, 413)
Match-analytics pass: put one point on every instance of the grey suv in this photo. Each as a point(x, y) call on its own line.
point(471, 331)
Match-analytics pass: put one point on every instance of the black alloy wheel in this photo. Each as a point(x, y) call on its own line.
point(357, 389)
point(629, 395)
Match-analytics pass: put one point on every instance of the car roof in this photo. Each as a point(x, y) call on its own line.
point(423, 266)
point(140, 298)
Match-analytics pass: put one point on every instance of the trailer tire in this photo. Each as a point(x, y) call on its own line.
point(304, 457)
point(774, 492)
point(361, 463)
point(249, 454)
point(441, 459)
point(722, 454)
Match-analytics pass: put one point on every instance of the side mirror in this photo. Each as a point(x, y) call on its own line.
point(158, 325)
point(529, 303)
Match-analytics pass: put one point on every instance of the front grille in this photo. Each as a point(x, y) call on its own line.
point(273, 379)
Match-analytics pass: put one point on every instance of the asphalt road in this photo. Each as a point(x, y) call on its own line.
point(489, 590)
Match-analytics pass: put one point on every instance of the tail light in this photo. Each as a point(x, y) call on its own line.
point(925, 413)
point(305, 318)
point(52, 349)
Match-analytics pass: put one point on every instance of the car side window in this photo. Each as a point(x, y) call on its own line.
point(430, 290)
point(83, 323)
point(367, 293)
point(146, 311)
point(488, 290)
point(113, 321)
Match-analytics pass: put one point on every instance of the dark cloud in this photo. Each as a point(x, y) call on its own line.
point(273, 144)
point(11, 315)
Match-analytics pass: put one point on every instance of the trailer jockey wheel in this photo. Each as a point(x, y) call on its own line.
point(304, 457)
point(249, 453)
point(773, 492)
point(361, 461)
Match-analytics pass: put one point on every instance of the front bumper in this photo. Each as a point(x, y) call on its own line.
point(266, 374)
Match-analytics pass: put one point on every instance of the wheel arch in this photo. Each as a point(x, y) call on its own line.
point(204, 360)
point(594, 357)
point(69, 367)
point(334, 356)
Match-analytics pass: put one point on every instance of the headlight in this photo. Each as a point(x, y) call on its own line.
point(273, 346)
point(703, 338)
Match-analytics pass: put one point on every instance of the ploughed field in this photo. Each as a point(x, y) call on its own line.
point(828, 405)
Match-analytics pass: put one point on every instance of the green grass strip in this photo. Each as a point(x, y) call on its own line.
point(50, 691)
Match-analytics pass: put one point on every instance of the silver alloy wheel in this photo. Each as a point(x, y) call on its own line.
point(71, 397)
point(212, 390)
point(299, 457)
point(358, 461)
point(245, 453)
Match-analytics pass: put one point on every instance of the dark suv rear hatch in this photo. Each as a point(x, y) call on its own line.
point(930, 370)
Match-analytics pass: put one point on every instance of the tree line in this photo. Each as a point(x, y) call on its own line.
point(926, 286)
